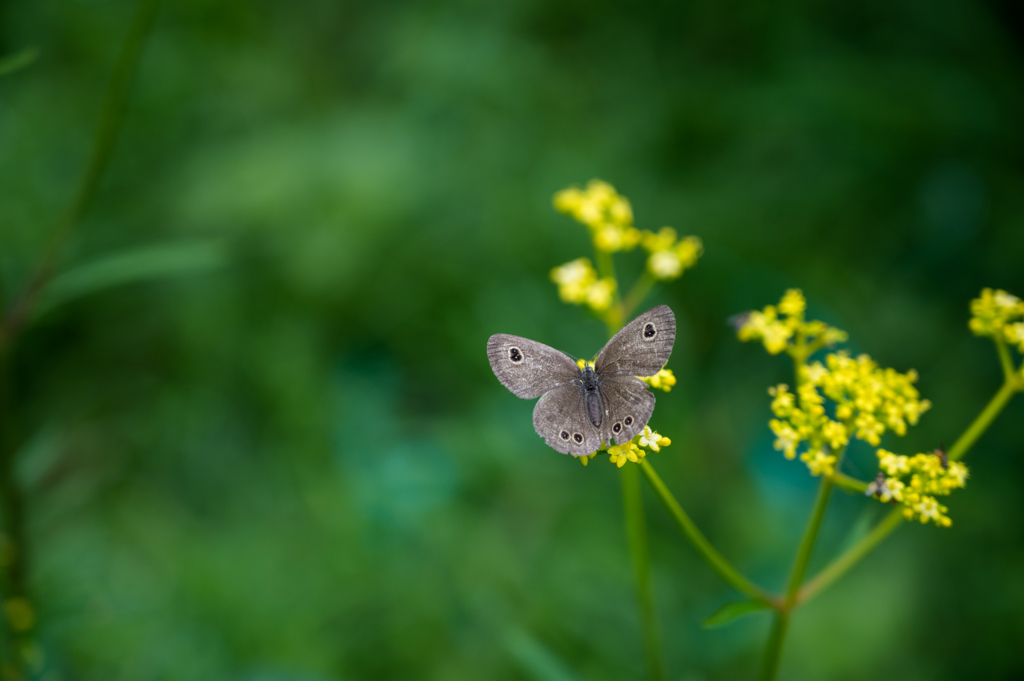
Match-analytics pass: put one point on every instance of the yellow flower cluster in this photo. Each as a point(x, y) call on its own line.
point(634, 450)
point(779, 326)
point(578, 283)
point(915, 481)
point(607, 214)
point(867, 401)
point(670, 257)
point(663, 380)
point(870, 398)
point(609, 217)
point(998, 313)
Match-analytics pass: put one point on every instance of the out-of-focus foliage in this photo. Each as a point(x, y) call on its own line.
point(290, 459)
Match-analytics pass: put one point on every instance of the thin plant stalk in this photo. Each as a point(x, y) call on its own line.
point(721, 567)
point(104, 138)
point(637, 294)
point(984, 420)
point(839, 566)
point(773, 651)
point(639, 549)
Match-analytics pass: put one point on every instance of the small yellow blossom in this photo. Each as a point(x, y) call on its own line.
point(819, 462)
point(653, 441)
point(586, 459)
point(574, 279)
point(1014, 334)
point(668, 258)
point(663, 380)
point(578, 283)
point(993, 311)
point(787, 439)
point(601, 293)
point(620, 454)
point(793, 303)
point(779, 327)
point(606, 213)
point(893, 464)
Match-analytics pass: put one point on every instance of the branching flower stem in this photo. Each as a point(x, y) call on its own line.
point(1012, 385)
point(773, 651)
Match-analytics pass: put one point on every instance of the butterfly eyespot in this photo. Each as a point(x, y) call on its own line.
point(565, 435)
point(628, 420)
point(577, 437)
point(649, 331)
point(617, 427)
point(515, 355)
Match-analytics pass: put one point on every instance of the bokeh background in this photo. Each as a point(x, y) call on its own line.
point(258, 434)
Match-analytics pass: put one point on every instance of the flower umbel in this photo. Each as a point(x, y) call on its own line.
point(915, 481)
point(998, 314)
point(578, 283)
point(607, 215)
point(866, 401)
point(634, 450)
point(782, 327)
point(670, 257)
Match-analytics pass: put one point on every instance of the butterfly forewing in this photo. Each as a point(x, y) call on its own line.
point(560, 417)
point(528, 368)
point(640, 348)
point(627, 407)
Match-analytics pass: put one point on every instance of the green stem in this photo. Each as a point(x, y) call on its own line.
point(111, 114)
point(606, 268)
point(637, 294)
point(700, 543)
point(984, 419)
point(849, 483)
point(803, 554)
point(636, 532)
point(839, 566)
point(15, 546)
point(773, 651)
point(1004, 358)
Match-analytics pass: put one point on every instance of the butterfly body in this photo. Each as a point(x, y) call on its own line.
point(591, 383)
point(581, 408)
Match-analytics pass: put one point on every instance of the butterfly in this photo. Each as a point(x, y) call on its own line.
point(579, 409)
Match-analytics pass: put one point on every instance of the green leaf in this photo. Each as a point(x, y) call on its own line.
point(150, 262)
point(18, 60)
point(730, 611)
point(536, 660)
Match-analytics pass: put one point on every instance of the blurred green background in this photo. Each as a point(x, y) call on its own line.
point(286, 458)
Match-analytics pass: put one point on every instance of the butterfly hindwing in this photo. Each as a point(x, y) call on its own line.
point(627, 406)
point(560, 417)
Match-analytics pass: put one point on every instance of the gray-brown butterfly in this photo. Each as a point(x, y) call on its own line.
point(581, 408)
